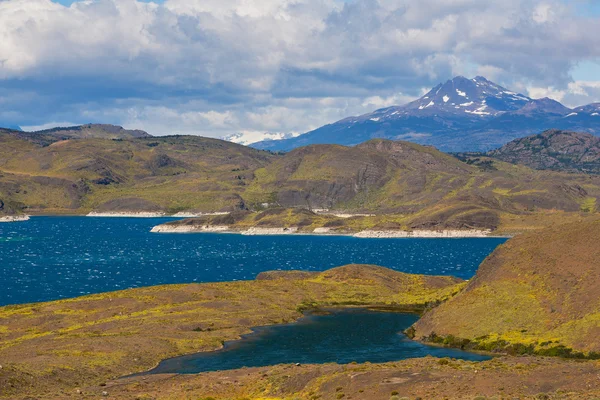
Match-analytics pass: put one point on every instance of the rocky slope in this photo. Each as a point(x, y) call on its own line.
point(537, 293)
point(555, 150)
point(459, 115)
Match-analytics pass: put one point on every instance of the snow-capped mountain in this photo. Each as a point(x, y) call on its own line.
point(247, 138)
point(459, 115)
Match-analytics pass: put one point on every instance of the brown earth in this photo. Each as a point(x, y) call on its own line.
point(537, 293)
point(47, 350)
point(421, 187)
point(427, 378)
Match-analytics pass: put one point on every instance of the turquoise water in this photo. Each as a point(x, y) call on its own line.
point(341, 337)
point(49, 258)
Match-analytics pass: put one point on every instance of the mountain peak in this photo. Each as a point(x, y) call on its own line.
point(477, 98)
point(460, 114)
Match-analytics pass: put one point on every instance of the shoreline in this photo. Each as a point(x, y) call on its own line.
point(14, 218)
point(141, 214)
point(366, 234)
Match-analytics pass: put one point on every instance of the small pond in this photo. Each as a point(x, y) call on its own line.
point(343, 336)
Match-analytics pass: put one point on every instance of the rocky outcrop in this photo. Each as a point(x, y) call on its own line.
point(555, 150)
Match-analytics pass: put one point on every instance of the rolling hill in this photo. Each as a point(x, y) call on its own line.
point(536, 294)
point(140, 174)
point(423, 187)
point(459, 115)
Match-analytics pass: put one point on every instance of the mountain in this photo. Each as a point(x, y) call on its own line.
point(539, 293)
point(554, 149)
point(459, 115)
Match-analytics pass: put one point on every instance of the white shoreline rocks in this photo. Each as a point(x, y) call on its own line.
point(270, 231)
point(455, 233)
point(444, 233)
point(139, 214)
point(14, 218)
point(191, 229)
point(185, 214)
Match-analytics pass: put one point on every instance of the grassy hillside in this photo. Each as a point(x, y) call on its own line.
point(49, 349)
point(537, 293)
point(420, 186)
point(167, 173)
point(80, 347)
point(431, 188)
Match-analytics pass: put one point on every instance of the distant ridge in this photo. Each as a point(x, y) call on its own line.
point(87, 131)
point(555, 150)
point(459, 115)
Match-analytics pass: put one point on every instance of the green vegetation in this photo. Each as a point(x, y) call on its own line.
point(406, 185)
point(536, 294)
point(47, 347)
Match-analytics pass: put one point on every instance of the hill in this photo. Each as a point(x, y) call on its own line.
point(459, 115)
point(422, 187)
point(139, 174)
point(537, 293)
point(428, 188)
point(555, 150)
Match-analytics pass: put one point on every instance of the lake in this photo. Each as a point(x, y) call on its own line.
point(48, 258)
point(342, 337)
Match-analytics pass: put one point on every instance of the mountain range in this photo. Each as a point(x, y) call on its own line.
point(459, 115)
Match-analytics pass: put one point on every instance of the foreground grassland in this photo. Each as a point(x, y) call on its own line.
point(539, 293)
point(535, 295)
point(50, 349)
point(417, 186)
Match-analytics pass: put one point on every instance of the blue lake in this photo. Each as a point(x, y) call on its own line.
point(342, 337)
point(49, 258)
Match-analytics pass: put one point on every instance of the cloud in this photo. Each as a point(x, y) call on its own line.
point(220, 67)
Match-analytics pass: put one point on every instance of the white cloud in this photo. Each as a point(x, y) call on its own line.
point(47, 125)
point(575, 94)
point(551, 92)
point(221, 67)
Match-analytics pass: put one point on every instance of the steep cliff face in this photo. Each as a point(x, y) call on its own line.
point(539, 292)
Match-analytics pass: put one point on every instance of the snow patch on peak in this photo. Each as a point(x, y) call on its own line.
point(571, 115)
point(462, 94)
point(446, 98)
point(374, 119)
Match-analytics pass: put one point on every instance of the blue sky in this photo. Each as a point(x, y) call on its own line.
point(277, 67)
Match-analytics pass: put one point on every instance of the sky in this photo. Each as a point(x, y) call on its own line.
point(273, 68)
